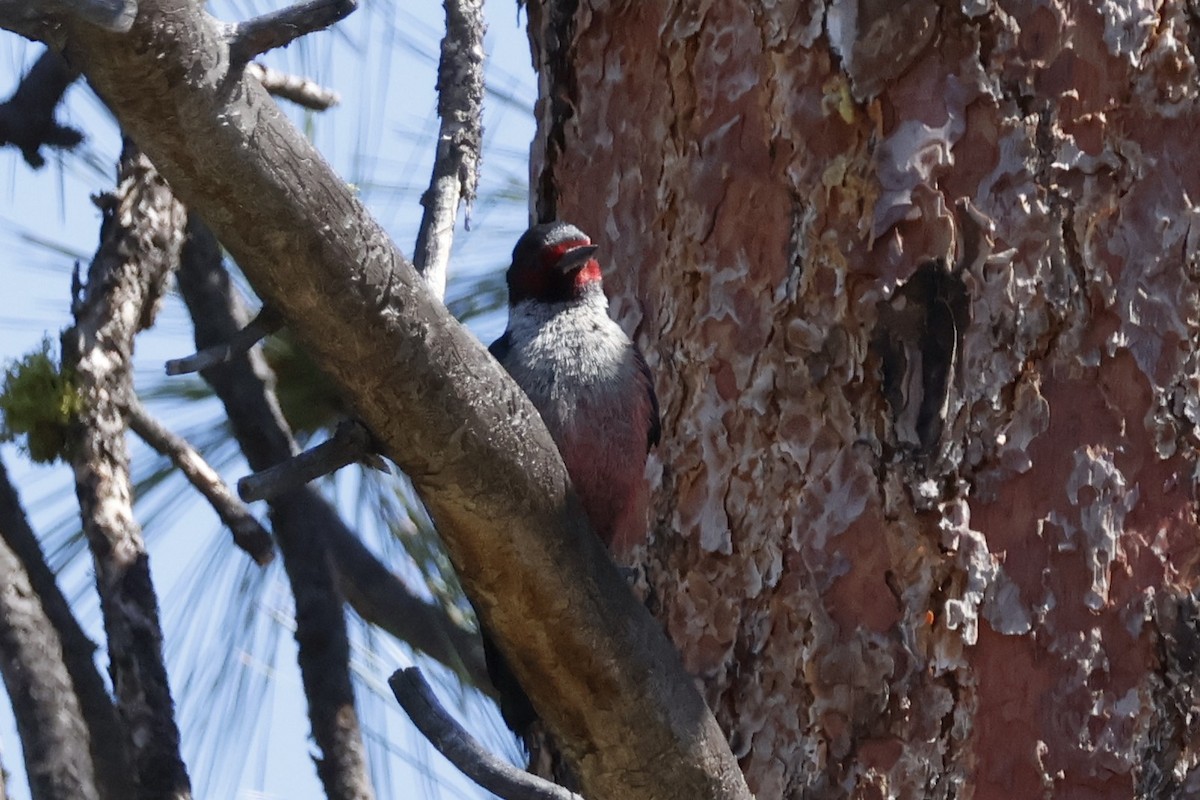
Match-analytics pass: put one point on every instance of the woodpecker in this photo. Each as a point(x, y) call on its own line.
point(592, 387)
point(586, 378)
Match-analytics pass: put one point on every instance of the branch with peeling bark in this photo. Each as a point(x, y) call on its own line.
point(456, 162)
point(140, 242)
point(597, 666)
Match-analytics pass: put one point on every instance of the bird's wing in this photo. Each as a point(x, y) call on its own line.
point(499, 348)
point(654, 430)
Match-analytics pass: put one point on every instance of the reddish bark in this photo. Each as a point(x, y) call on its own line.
point(1007, 615)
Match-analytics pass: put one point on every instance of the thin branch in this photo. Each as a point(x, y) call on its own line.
point(262, 326)
point(462, 750)
point(109, 758)
point(373, 590)
point(350, 443)
point(140, 239)
point(27, 118)
point(323, 643)
point(300, 90)
point(248, 534)
point(456, 164)
point(280, 28)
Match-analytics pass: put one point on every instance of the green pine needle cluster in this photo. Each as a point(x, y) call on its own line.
point(38, 402)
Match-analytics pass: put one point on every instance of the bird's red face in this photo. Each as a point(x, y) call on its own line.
point(552, 264)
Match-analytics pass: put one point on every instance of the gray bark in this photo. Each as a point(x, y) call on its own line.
point(598, 667)
point(139, 244)
point(110, 763)
point(54, 738)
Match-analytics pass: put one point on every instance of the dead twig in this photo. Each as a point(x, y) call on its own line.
point(456, 164)
point(248, 534)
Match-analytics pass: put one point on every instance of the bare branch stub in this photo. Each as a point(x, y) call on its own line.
point(456, 163)
point(262, 326)
point(248, 534)
point(462, 750)
point(296, 88)
point(350, 443)
point(280, 28)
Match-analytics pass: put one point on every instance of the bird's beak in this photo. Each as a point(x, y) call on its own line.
point(577, 257)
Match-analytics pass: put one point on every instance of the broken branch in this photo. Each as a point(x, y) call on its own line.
point(280, 28)
point(262, 326)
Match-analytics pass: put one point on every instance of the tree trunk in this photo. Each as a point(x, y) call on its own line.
point(925, 521)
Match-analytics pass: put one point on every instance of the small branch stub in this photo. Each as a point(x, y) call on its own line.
point(351, 442)
point(280, 28)
point(299, 90)
point(262, 326)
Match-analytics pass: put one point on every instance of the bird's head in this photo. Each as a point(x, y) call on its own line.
point(552, 263)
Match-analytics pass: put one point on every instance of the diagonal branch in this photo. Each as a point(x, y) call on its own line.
point(462, 750)
point(374, 592)
point(280, 28)
point(598, 667)
point(140, 239)
point(247, 533)
point(262, 326)
point(54, 737)
point(109, 759)
point(456, 163)
point(302, 91)
point(349, 444)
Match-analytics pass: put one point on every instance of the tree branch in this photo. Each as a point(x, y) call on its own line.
point(262, 326)
point(597, 666)
point(280, 28)
point(27, 118)
point(247, 533)
point(39, 19)
point(321, 637)
point(139, 243)
point(54, 738)
point(109, 758)
point(349, 444)
point(462, 750)
point(243, 386)
point(456, 164)
point(300, 90)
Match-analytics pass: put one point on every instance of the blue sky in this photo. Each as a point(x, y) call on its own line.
point(383, 61)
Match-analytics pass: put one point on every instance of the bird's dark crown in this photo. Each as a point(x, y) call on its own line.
point(538, 271)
